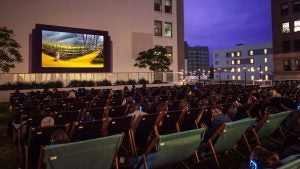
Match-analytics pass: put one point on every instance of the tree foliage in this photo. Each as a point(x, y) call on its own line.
point(9, 50)
point(155, 59)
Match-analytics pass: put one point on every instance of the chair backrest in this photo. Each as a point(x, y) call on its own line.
point(117, 111)
point(291, 162)
point(169, 122)
point(66, 117)
point(189, 119)
point(97, 113)
point(119, 124)
point(86, 130)
point(92, 154)
point(98, 103)
point(77, 106)
point(273, 122)
point(55, 108)
point(116, 102)
point(232, 133)
point(177, 147)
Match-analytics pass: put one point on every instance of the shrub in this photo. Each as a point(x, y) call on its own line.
point(131, 82)
point(31, 85)
point(103, 83)
point(120, 82)
point(143, 81)
point(157, 82)
point(81, 83)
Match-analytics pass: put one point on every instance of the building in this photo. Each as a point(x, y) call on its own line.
point(133, 25)
point(250, 62)
point(286, 38)
point(197, 59)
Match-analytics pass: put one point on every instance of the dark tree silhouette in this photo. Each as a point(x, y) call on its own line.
point(9, 50)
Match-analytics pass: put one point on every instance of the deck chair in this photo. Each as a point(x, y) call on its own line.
point(271, 123)
point(143, 131)
point(97, 113)
point(96, 153)
point(190, 119)
point(173, 148)
point(116, 102)
point(117, 111)
point(290, 162)
point(169, 123)
point(86, 130)
point(66, 117)
point(228, 135)
point(77, 106)
point(38, 137)
point(55, 108)
point(98, 103)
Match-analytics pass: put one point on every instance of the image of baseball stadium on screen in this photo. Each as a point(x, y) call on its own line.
point(72, 50)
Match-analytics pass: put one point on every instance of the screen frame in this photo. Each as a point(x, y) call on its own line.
point(36, 54)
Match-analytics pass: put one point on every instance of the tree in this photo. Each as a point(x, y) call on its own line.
point(9, 50)
point(155, 59)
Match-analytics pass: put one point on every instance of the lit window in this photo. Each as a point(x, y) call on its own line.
point(168, 29)
point(239, 77)
point(265, 51)
point(297, 26)
point(266, 68)
point(233, 77)
point(232, 54)
point(232, 62)
point(232, 69)
point(252, 69)
point(266, 77)
point(285, 27)
point(251, 61)
point(238, 69)
point(238, 54)
point(157, 28)
point(238, 62)
point(168, 6)
point(266, 60)
point(252, 77)
point(169, 52)
point(251, 52)
point(157, 5)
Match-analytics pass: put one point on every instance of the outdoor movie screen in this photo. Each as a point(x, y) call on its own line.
point(72, 50)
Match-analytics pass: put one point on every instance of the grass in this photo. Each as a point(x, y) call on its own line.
point(8, 153)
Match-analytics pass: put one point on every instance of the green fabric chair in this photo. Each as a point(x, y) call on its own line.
point(272, 123)
point(228, 136)
point(89, 154)
point(291, 162)
point(176, 147)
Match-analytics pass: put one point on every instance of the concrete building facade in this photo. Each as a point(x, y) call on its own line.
point(286, 38)
point(197, 58)
point(250, 62)
point(133, 25)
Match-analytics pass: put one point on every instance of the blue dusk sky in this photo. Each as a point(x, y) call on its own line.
point(221, 24)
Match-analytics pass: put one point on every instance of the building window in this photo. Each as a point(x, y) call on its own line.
point(157, 28)
point(285, 27)
point(284, 9)
point(266, 60)
point(232, 54)
point(157, 5)
point(238, 62)
point(168, 6)
point(239, 77)
point(286, 46)
point(169, 52)
point(168, 29)
point(250, 52)
point(252, 77)
point(238, 69)
point(296, 6)
point(232, 70)
point(251, 61)
point(297, 64)
point(216, 62)
point(266, 77)
point(265, 51)
point(238, 54)
point(252, 69)
point(233, 77)
point(232, 62)
point(216, 55)
point(287, 65)
point(297, 26)
point(266, 68)
point(297, 45)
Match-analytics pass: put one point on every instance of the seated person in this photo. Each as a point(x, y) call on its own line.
point(59, 137)
point(136, 113)
point(265, 158)
point(47, 121)
point(217, 119)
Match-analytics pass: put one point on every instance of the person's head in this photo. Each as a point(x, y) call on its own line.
point(86, 116)
point(59, 136)
point(47, 121)
point(215, 110)
point(265, 158)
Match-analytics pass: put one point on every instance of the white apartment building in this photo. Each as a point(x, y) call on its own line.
point(244, 62)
